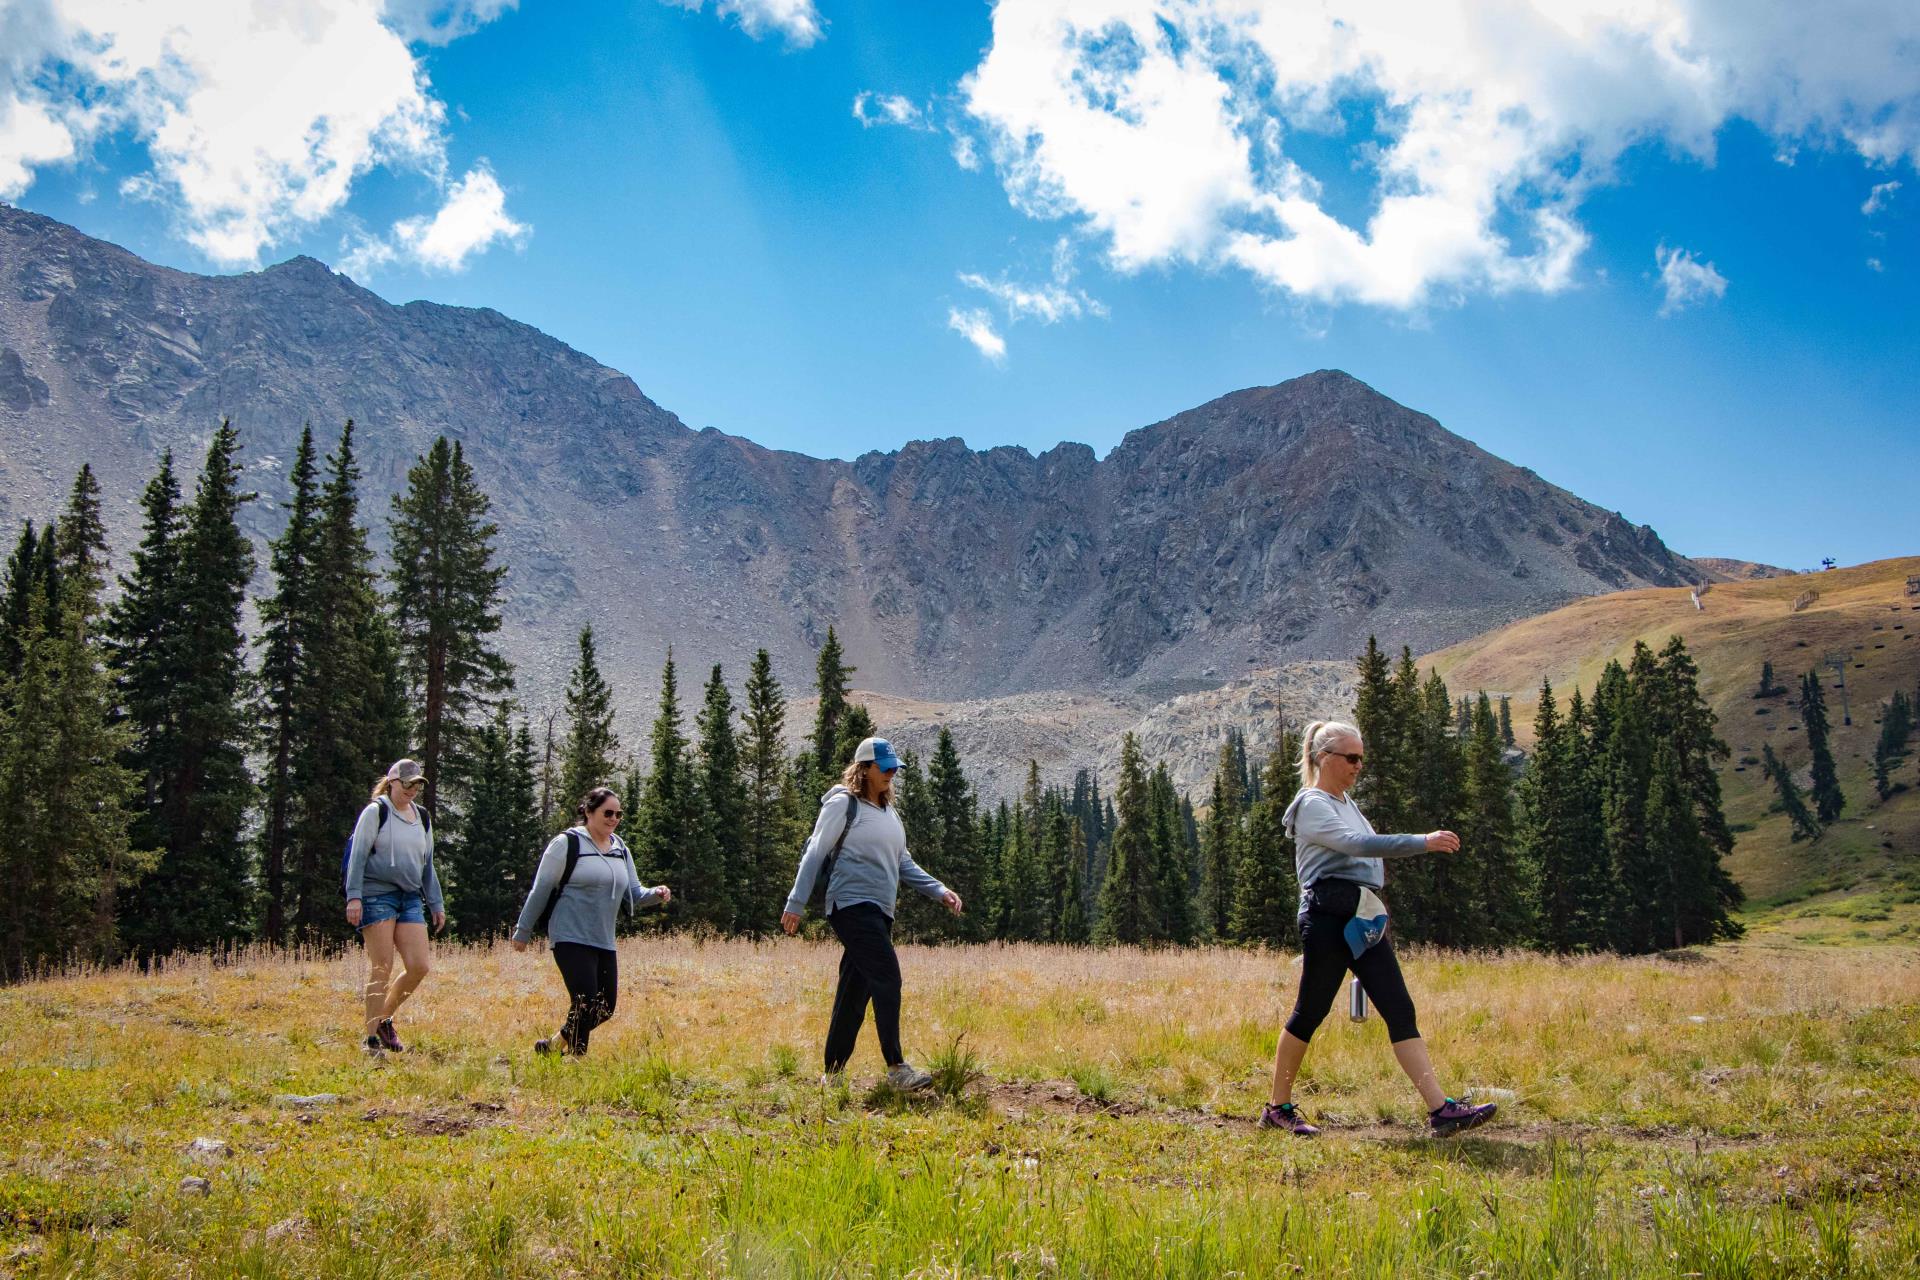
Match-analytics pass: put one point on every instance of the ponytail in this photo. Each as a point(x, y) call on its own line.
point(382, 787)
point(1314, 743)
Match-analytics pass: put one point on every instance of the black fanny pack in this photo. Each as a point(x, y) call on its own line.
point(1335, 899)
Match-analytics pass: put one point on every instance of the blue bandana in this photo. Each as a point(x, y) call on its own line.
point(1369, 923)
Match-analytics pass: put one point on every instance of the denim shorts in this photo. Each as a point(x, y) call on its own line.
point(401, 906)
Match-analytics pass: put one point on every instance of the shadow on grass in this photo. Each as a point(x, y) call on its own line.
point(1486, 1152)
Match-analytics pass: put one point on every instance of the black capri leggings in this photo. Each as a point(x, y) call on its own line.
point(1325, 961)
point(592, 975)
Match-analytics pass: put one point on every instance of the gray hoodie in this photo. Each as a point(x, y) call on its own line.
point(872, 862)
point(1332, 839)
point(587, 906)
point(392, 857)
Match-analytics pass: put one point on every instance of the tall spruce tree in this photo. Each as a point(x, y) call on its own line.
point(1549, 836)
point(201, 895)
point(959, 864)
point(491, 860)
point(1627, 763)
point(1220, 850)
point(446, 602)
point(721, 809)
point(1896, 727)
point(1804, 825)
point(1175, 854)
point(1430, 896)
point(588, 758)
point(1828, 801)
point(1595, 892)
point(1266, 890)
point(770, 838)
point(1500, 917)
point(1506, 720)
point(287, 636)
point(831, 684)
point(667, 839)
point(1695, 911)
point(23, 593)
point(1129, 910)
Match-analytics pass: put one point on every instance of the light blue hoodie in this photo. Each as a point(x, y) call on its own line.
point(1332, 839)
point(872, 862)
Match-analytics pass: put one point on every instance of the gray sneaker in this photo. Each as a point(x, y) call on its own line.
point(907, 1077)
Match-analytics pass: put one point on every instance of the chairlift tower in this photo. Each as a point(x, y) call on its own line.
point(1837, 659)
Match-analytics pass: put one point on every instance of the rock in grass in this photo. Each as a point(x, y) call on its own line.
point(300, 1101)
point(192, 1186)
point(208, 1149)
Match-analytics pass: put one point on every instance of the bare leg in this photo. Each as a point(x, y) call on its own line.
point(1419, 1068)
point(411, 940)
point(378, 940)
point(1287, 1056)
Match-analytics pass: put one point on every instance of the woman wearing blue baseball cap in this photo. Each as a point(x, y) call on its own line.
point(859, 850)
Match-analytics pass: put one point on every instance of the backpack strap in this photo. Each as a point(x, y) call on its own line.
point(826, 871)
point(566, 874)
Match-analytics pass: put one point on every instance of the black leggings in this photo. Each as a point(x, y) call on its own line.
point(869, 970)
point(1326, 958)
point(592, 975)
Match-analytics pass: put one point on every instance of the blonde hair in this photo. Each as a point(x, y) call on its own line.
point(382, 787)
point(855, 780)
point(1317, 741)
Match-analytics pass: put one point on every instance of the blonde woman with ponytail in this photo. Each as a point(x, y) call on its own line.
point(1343, 926)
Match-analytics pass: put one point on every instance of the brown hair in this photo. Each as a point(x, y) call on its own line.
point(591, 802)
point(858, 776)
point(382, 787)
point(1316, 741)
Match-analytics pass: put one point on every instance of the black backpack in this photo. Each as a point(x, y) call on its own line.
point(346, 854)
point(573, 860)
point(817, 900)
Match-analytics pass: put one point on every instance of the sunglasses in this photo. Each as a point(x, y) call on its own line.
point(615, 814)
point(413, 784)
point(1354, 758)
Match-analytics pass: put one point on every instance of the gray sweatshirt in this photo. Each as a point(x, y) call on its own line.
point(872, 862)
point(1332, 839)
point(399, 859)
point(590, 902)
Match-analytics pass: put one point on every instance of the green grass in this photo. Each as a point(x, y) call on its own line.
point(1752, 1112)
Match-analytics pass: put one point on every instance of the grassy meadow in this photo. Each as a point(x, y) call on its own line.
point(1749, 1110)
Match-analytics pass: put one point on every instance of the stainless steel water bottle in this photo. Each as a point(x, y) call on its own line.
point(1356, 1001)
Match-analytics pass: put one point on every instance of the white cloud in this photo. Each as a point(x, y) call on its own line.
point(1879, 197)
point(1165, 126)
point(1050, 302)
point(257, 119)
point(1686, 279)
point(965, 154)
point(871, 108)
point(1874, 264)
point(797, 20)
point(442, 21)
point(976, 326)
point(473, 218)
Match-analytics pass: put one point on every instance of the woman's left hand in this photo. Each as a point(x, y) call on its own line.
point(952, 901)
point(666, 894)
point(439, 921)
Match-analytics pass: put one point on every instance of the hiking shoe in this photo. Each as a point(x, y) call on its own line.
point(374, 1046)
point(388, 1039)
point(908, 1077)
point(1284, 1115)
point(1453, 1116)
point(543, 1046)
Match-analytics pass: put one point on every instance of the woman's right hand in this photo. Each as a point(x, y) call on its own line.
point(1442, 842)
point(519, 944)
point(790, 920)
point(353, 913)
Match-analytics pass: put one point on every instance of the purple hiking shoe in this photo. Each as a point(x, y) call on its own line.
point(389, 1039)
point(1285, 1115)
point(1453, 1116)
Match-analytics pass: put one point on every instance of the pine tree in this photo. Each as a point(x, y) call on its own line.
point(1066, 845)
point(1626, 764)
point(492, 858)
point(1378, 715)
point(1548, 835)
point(958, 862)
point(201, 896)
point(1499, 917)
point(1128, 911)
point(350, 718)
point(1684, 719)
point(287, 636)
point(1221, 850)
point(913, 801)
point(1896, 726)
point(587, 759)
point(19, 603)
point(831, 676)
point(666, 839)
point(1695, 912)
point(1506, 720)
point(446, 591)
point(1768, 688)
point(1266, 890)
point(1595, 889)
point(1805, 825)
point(1828, 802)
point(1430, 896)
point(769, 841)
point(721, 808)
point(856, 726)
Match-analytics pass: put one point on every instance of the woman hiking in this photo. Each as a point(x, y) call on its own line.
point(585, 875)
point(859, 842)
point(1343, 926)
point(391, 890)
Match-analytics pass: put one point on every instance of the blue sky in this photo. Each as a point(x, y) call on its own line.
point(1670, 265)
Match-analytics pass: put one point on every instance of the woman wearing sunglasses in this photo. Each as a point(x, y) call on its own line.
point(1343, 925)
point(391, 890)
point(859, 840)
point(584, 876)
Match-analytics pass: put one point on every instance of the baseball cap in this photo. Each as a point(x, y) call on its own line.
point(879, 751)
point(406, 771)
